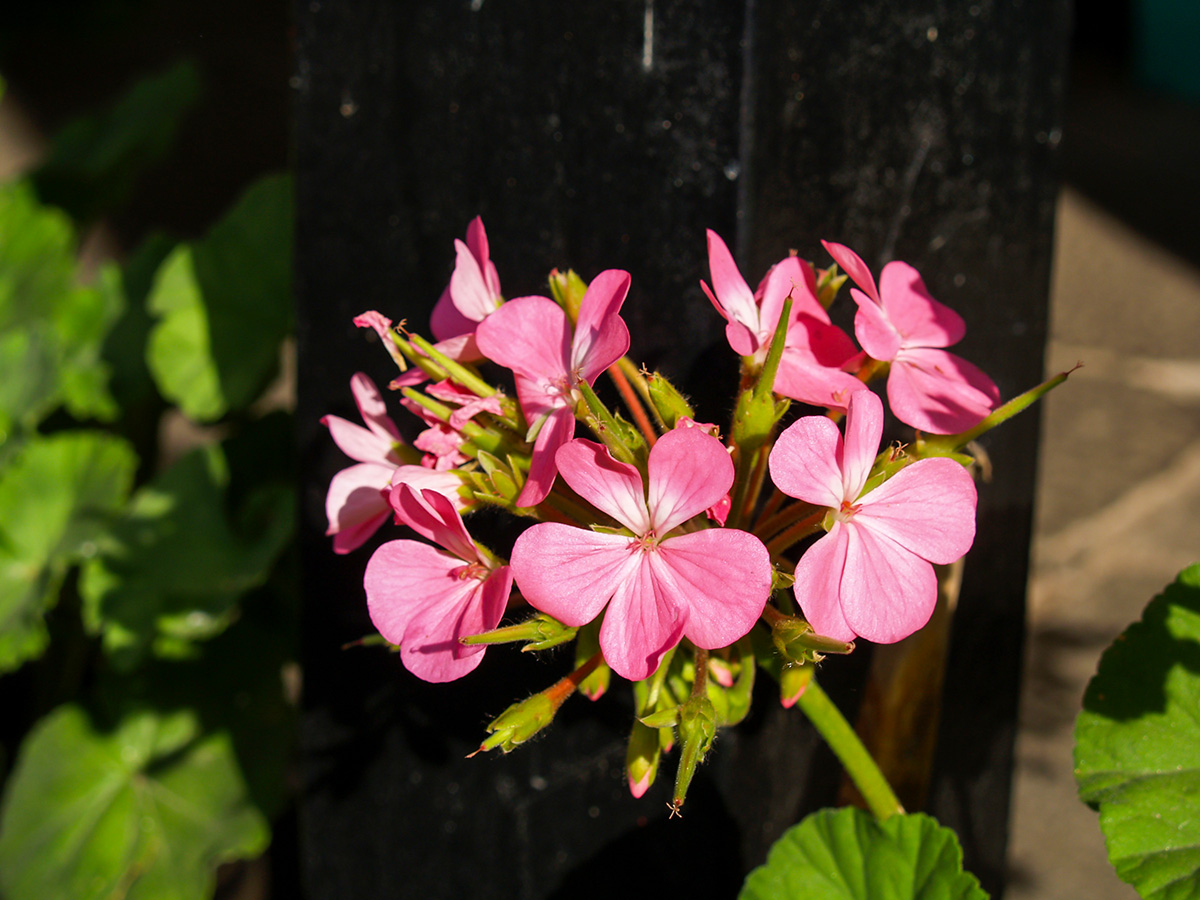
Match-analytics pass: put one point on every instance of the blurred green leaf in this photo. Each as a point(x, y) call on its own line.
point(846, 854)
point(145, 811)
point(95, 161)
point(59, 495)
point(179, 560)
point(224, 305)
point(1137, 745)
point(51, 328)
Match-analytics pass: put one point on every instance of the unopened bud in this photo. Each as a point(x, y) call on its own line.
point(829, 282)
point(567, 289)
point(670, 404)
point(587, 645)
point(540, 632)
point(641, 758)
point(519, 723)
point(793, 680)
point(797, 642)
point(697, 729)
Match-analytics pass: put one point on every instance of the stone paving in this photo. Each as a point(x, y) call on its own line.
point(1118, 515)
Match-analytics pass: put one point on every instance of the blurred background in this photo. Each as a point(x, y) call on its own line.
point(145, 118)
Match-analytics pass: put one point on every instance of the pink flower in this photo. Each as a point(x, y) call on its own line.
point(441, 440)
point(872, 574)
point(709, 585)
point(900, 323)
point(815, 351)
point(425, 599)
point(472, 295)
point(358, 499)
point(356, 504)
point(533, 337)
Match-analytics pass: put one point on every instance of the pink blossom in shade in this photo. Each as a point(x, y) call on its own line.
point(426, 599)
point(356, 504)
point(660, 585)
point(872, 574)
point(472, 295)
point(816, 352)
point(441, 440)
point(899, 322)
point(549, 358)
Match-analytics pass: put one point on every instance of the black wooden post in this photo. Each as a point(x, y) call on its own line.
point(611, 135)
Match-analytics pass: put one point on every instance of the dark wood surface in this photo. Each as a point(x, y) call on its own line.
point(916, 131)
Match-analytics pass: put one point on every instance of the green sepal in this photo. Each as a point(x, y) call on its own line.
point(758, 412)
point(780, 580)
point(697, 729)
point(667, 401)
point(623, 441)
point(829, 282)
point(519, 723)
point(663, 718)
point(797, 642)
point(568, 289)
point(541, 632)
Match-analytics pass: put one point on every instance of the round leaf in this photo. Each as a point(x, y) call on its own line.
point(846, 854)
point(145, 811)
point(1137, 746)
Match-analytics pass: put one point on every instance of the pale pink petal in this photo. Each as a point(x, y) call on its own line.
point(864, 431)
point(920, 320)
point(613, 487)
point(790, 277)
point(733, 294)
point(927, 508)
point(372, 408)
point(601, 336)
point(419, 478)
point(743, 341)
point(530, 335)
point(804, 462)
point(432, 515)
point(721, 576)
point(819, 584)
point(431, 647)
point(356, 504)
point(558, 428)
point(801, 378)
point(851, 263)
point(358, 443)
point(873, 329)
point(570, 573)
point(719, 511)
point(468, 291)
point(641, 624)
point(379, 322)
point(446, 322)
point(887, 592)
point(938, 392)
point(689, 471)
point(825, 343)
point(477, 241)
point(474, 407)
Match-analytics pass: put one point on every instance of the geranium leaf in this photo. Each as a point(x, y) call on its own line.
point(1137, 745)
point(58, 496)
point(144, 811)
point(846, 854)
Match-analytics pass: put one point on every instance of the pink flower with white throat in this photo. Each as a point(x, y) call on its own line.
point(660, 585)
point(533, 337)
point(425, 599)
point(872, 574)
point(815, 350)
point(899, 322)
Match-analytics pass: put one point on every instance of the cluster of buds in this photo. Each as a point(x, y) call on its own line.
point(678, 560)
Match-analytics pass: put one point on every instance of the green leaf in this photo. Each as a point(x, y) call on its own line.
point(178, 561)
point(846, 854)
point(1137, 745)
point(51, 329)
point(145, 811)
point(95, 161)
point(224, 305)
point(58, 496)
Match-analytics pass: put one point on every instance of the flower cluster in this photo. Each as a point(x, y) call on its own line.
point(677, 560)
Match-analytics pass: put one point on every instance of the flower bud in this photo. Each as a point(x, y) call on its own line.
point(567, 290)
point(519, 723)
point(586, 646)
point(797, 642)
point(670, 404)
point(641, 758)
point(697, 729)
point(829, 282)
point(793, 680)
point(540, 631)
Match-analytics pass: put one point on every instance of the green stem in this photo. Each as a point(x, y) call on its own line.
point(859, 765)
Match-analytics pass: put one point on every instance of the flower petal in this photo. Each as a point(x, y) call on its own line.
point(721, 576)
point(558, 428)
point(805, 462)
point(420, 478)
point(601, 336)
point(887, 592)
point(372, 408)
point(446, 322)
point(613, 487)
point(468, 290)
point(851, 263)
point(873, 329)
point(569, 572)
point(356, 504)
point(358, 443)
point(864, 430)
point(920, 320)
point(928, 508)
point(819, 584)
point(936, 391)
point(530, 335)
point(802, 378)
point(433, 516)
point(689, 471)
point(790, 277)
point(642, 623)
point(732, 293)
point(741, 338)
